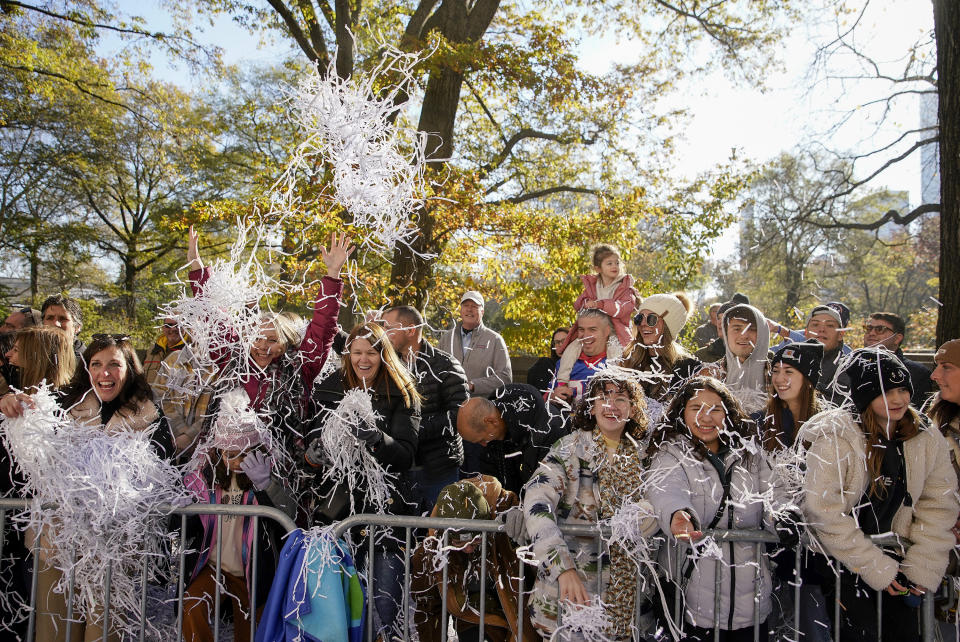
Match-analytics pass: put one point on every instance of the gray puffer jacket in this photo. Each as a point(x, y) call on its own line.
point(681, 480)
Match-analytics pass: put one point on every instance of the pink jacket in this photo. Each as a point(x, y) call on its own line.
point(620, 307)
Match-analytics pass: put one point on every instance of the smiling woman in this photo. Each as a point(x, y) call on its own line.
point(706, 473)
point(110, 392)
point(875, 466)
point(588, 476)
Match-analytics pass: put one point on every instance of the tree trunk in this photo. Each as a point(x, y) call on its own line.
point(129, 285)
point(34, 276)
point(946, 21)
point(411, 273)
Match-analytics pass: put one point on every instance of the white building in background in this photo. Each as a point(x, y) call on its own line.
point(929, 154)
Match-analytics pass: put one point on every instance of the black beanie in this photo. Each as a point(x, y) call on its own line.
point(804, 356)
point(873, 372)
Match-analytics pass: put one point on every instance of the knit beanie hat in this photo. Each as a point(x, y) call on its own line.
point(237, 426)
point(949, 352)
point(462, 500)
point(804, 356)
point(874, 371)
point(671, 309)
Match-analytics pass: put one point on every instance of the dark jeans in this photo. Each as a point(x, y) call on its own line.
point(427, 484)
point(696, 634)
point(387, 588)
point(858, 611)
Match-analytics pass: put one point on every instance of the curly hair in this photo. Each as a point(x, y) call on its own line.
point(737, 427)
point(583, 418)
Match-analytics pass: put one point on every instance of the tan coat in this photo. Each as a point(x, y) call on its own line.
point(836, 479)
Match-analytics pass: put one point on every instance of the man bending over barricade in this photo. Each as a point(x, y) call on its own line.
point(514, 429)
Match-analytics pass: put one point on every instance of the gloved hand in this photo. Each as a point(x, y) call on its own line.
point(789, 529)
point(257, 466)
point(365, 432)
point(514, 524)
point(315, 455)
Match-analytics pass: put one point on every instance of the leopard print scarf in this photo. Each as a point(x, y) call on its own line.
point(619, 476)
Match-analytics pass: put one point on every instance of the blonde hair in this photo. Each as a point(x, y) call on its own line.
point(285, 325)
point(392, 366)
point(46, 353)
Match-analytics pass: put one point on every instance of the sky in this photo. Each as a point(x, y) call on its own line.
point(723, 116)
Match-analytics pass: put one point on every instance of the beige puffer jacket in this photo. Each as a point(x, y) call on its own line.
point(837, 478)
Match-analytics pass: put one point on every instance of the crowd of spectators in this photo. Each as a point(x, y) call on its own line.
point(620, 416)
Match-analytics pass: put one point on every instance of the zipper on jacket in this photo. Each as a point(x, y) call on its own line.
point(733, 570)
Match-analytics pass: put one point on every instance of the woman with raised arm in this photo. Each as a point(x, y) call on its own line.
point(281, 368)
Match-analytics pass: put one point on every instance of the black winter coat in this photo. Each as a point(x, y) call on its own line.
point(394, 451)
point(532, 428)
point(443, 384)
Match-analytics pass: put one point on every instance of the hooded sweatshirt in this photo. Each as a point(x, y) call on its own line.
point(748, 380)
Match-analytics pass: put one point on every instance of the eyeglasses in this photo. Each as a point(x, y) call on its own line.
point(877, 329)
point(169, 326)
point(102, 336)
point(650, 319)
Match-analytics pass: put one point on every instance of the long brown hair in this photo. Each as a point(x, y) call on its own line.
point(135, 388)
point(774, 438)
point(737, 427)
point(655, 359)
point(907, 428)
point(941, 411)
point(45, 353)
point(390, 366)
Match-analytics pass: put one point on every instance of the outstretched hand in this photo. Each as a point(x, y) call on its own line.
point(335, 257)
point(681, 526)
point(193, 249)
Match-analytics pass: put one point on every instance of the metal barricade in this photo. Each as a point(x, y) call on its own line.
point(409, 524)
point(220, 511)
point(485, 527)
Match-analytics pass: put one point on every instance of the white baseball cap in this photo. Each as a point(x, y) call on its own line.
point(472, 295)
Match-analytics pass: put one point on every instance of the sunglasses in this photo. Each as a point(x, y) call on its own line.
point(102, 336)
point(649, 319)
point(169, 326)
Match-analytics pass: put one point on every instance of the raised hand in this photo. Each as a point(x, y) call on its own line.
point(193, 250)
point(335, 257)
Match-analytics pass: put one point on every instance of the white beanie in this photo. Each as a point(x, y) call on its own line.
point(671, 310)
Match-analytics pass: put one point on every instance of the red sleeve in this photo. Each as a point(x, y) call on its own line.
point(198, 278)
point(323, 327)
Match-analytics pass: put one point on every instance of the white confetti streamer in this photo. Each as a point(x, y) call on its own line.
point(100, 494)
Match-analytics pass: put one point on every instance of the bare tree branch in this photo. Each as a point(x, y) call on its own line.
point(322, 57)
point(892, 216)
point(557, 189)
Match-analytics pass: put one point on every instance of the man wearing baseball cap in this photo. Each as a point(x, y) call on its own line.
point(827, 323)
point(481, 351)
